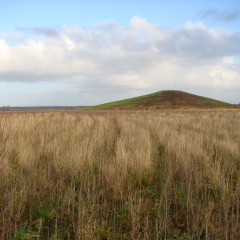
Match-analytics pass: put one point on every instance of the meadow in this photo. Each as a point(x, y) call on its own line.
point(120, 175)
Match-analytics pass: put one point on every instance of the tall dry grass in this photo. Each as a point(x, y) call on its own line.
point(120, 175)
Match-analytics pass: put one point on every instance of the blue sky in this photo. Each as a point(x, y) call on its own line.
point(35, 13)
point(90, 52)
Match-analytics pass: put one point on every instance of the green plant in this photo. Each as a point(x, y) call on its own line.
point(23, 234)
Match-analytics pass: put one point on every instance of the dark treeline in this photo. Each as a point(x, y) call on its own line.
point(8, 108)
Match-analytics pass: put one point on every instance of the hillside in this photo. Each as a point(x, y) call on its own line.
point(164, 100)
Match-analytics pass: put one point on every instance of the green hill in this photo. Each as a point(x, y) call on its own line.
point(164, 100)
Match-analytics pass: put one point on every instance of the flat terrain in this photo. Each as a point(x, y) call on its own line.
point(120, 175)
point(165, 100)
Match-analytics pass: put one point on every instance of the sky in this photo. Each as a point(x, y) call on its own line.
point(81, 53)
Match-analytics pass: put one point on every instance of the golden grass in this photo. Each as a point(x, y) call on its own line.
point(120, 175)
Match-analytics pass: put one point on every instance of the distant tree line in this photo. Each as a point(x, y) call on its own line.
point(5, 108)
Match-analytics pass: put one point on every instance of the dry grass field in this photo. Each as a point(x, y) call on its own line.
point(118, 175)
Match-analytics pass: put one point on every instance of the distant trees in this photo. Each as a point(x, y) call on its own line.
point(5, 108)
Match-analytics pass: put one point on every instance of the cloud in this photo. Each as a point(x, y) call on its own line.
point(141, 55)
point(221, 15)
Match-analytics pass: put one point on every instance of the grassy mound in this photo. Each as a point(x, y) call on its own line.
point(164, 99)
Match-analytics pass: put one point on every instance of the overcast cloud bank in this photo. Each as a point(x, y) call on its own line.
point(141, 55)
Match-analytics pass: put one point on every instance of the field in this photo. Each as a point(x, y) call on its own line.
point(120, 175)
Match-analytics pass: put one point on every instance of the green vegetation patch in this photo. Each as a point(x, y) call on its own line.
point(122, 102)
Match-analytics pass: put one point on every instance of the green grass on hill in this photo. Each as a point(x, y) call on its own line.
point(122, 102)
point(163, 99)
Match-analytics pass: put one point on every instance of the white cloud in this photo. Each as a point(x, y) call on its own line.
point(141, 55)
point(228, 59)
